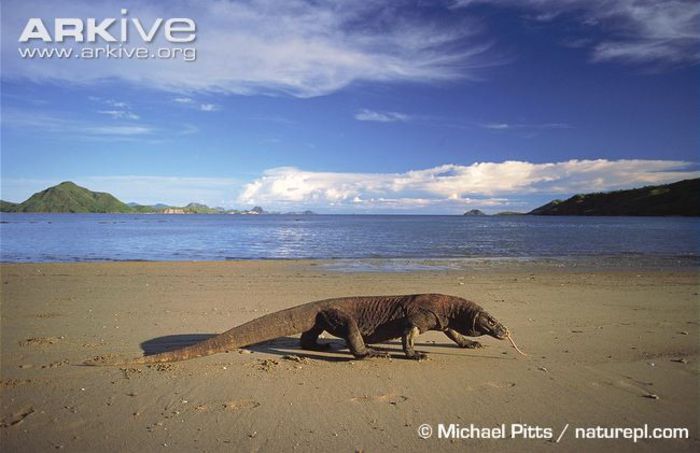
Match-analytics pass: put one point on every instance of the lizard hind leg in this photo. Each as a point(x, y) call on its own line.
point(342, 325)
point(309, 339)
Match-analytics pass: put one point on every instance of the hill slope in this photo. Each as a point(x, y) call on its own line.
point(678, 199)
point(6, 206)
point(68, 197)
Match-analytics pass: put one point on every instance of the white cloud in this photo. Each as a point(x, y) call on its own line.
point(299, 47)
point(305, 48)
point(496, 126)
point(69, 127)
point(507, 126)
point(63, 126)
point(120, 114)
point(432, 205)
point(118, 110)
point(651, 31)
point(117, 130)
point(633, 31)
point(479, 184)
point(191, 103)
point(381, 117)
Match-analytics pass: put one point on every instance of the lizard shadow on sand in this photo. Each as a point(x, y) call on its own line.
point(284, 346)
point(281, 346)
point(170, 342)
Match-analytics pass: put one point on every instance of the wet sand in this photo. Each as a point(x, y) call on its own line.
point(606, 348)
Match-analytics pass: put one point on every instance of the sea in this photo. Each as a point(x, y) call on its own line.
point(410, 241)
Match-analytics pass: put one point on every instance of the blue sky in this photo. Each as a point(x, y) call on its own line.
point(354, 107)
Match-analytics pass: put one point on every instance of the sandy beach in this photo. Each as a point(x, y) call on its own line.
point(606, 348)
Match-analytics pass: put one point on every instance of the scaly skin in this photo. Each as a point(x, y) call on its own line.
point(357, 320)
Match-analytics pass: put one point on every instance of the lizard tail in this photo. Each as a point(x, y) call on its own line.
point(274, 325)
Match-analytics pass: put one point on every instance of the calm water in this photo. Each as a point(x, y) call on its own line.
point(91, 237)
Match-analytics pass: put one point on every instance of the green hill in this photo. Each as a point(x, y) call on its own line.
point(678, 199)
point(198, 208)
point(143, 209)
point(68, 197)
point(6, 206)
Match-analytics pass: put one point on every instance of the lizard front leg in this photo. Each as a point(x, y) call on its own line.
point(408, 341)
point(461, 340)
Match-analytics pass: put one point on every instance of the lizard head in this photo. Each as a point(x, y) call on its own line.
point(485, 324)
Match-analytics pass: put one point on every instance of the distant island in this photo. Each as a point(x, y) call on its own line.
point(68, 197)
point(678, 199)
point(474, 212)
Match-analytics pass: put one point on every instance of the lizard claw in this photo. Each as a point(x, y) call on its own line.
point(372, 353)
point(472, 345)
point(419, 356)
point(375, 353)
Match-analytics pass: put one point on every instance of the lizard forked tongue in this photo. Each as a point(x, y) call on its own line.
point(515, 345)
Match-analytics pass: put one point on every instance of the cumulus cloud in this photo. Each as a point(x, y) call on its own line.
point(631, 31)
point(302, 48)
point(381, 117)
point(479, 184)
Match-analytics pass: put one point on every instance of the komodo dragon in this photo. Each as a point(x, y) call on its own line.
point(357, 320)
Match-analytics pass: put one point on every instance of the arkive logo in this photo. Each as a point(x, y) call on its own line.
point(109, 30)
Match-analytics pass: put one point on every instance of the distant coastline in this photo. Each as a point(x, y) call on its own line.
point(68, 197)
point(681, 198)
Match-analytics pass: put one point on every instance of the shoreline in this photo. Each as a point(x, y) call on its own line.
point(616, 262)
point(600, 344)
point(301, 214)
